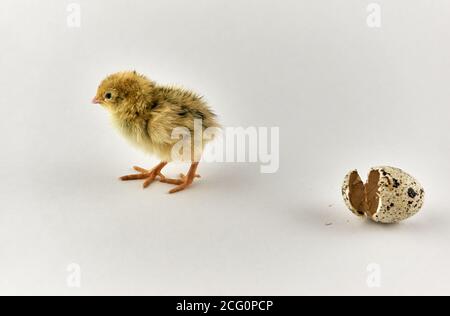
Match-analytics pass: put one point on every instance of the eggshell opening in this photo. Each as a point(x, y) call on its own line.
point(372, 192)
point(356, 195)
point(364, 198)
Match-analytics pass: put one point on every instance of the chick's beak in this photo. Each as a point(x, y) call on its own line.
point(95, 101)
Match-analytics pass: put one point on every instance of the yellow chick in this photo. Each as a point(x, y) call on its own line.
point(147, 114)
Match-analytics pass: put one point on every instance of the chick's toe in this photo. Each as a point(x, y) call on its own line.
point(148, 175)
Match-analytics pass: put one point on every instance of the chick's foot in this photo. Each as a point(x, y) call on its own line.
point(184, 181)
point(148, 175)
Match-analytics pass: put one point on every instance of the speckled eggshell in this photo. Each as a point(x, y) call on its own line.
point(401, 196)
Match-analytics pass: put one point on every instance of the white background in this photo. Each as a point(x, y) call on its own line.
point(344, 96)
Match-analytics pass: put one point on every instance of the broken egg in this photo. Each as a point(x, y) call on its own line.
point(390, 195)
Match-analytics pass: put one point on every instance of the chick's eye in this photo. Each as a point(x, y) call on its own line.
point(108, 96)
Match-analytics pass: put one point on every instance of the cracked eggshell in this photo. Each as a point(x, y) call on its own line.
point(399, 195)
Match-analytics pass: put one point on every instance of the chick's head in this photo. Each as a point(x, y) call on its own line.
point(124, 91)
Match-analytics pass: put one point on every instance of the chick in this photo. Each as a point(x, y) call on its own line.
point(146, 114)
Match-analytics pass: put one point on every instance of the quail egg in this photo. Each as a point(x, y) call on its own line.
point(390, 195)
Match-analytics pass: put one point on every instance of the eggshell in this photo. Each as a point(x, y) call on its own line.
point(389, 196)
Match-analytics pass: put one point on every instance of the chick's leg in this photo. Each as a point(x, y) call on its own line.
point(184, 181)
point(148, 175)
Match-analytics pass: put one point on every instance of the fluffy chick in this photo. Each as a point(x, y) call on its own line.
point(146, 114)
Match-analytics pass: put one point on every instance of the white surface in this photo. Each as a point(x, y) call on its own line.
point(344, 96)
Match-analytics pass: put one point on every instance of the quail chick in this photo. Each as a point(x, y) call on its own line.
point(146, 114)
